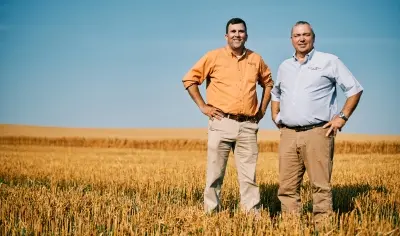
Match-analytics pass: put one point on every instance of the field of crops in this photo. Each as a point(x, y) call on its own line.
point(122, 187)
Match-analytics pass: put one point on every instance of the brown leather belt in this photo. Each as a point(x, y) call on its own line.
point(305, 127)
point(240, 118)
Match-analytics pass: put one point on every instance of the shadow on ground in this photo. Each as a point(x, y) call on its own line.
point(343, 197)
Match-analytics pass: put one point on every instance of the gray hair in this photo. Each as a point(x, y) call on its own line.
point(303, 23)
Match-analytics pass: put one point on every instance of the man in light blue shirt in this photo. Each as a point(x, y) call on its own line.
point(304, 107)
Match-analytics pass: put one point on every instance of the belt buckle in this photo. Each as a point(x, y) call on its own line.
point(299, 129)
point(305, 128)
point(242, 118)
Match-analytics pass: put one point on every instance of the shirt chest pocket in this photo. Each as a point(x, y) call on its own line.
point(221, 73)
point(251, 73)
point(316, 77)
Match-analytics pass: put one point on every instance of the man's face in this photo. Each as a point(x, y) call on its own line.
point(302, 38)
point(236, 36)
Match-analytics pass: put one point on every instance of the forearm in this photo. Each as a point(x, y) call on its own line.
point(351, 104)
point(195, 95)
point(266, 98)
point(275, 108)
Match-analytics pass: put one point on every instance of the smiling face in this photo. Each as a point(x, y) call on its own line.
point(236, 36)
point(303, 38)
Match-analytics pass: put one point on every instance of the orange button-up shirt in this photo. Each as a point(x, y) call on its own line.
point(231, 81)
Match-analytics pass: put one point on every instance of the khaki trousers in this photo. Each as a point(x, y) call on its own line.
point(307, 150)
point(241, 137)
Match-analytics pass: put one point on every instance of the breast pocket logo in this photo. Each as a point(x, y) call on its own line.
point(314, 68)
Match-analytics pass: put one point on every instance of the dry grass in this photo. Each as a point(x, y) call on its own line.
point(160, 133)
point(71, 190)
point(345, 147)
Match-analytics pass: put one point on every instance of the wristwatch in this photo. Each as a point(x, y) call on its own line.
point(341, 115)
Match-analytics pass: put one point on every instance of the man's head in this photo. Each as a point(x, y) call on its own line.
point(303, 37)
point(236, 33)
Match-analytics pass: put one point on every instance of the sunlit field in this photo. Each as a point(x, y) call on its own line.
point(66, 188)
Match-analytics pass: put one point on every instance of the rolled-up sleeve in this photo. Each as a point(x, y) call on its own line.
point(276, 89)
point(265, 79)
point(345, 79)
point(199, 72)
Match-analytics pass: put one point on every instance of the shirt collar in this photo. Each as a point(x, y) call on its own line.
point(308, 56)
point(234, 55)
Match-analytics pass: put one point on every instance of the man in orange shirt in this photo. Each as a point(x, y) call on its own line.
point(231, 73)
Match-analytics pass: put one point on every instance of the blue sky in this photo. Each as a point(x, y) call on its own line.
point(119, 64)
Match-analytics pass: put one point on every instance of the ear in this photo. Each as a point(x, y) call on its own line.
point(226, 36)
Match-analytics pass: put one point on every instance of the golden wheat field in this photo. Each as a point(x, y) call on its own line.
point(121, 186)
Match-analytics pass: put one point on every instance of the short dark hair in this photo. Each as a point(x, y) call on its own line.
point(302, 22)
point(235, 21)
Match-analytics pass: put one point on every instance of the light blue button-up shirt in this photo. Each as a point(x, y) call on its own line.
point(307, 91)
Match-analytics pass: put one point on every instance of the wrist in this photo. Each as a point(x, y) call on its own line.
point(276, 118)
point(343, 116)
point(202, 106)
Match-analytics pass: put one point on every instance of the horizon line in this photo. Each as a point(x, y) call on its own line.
point(165, 128)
